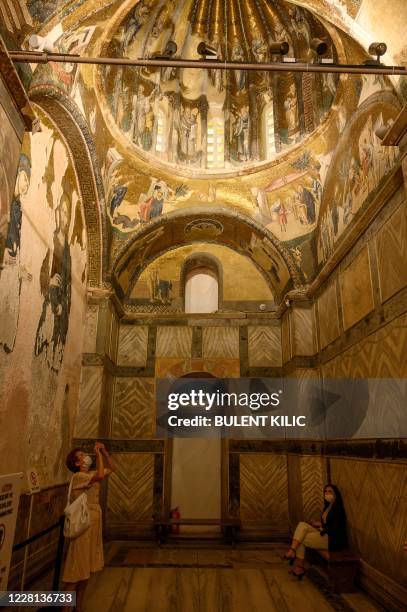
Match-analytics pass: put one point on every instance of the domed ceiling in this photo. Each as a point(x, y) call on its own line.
point(215, 120)
point(284, 162)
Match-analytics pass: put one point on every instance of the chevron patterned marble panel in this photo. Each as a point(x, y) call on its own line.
point(391, 245)
point(221, 342)
point(380, 355)
point(375, 498)
point(328, 317)
point(285, 337)
point(265, 346)
point(294, 490)
point(303, 334)
point(134, 408)
point(356, 289)
point(130, 488)
point(174, 341)
point(312, 484)
point(87, 417)
point(114, 336)
point(89, 345)
point(264, 489)
point(132, 349)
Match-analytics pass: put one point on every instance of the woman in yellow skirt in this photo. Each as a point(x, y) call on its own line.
point(85, 553)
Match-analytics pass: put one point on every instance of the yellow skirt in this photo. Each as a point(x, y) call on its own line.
point(85, 553)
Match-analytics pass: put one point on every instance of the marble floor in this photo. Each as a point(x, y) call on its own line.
point(181, 578)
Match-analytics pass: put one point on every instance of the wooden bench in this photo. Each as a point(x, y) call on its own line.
point(342, 568)
point(229, 527)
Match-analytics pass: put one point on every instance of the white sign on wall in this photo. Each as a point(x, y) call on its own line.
point(10, 488)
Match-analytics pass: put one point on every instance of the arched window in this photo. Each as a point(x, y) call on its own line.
point(160, 139)
point(269, 135)
point(201, 290)
point(215, 148)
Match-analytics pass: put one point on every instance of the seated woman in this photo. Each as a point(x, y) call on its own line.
point(85, 553)
point(327, 534)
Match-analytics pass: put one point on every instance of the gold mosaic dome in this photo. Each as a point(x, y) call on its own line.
point(216, 121)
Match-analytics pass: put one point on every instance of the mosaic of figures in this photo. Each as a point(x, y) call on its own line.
point(171, 139)
point(359, 163)
point(159, 285)
point(215, 119)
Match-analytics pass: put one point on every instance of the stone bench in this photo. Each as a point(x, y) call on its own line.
point(342, 567)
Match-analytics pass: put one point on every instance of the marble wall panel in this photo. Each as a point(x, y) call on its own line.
point(375, 495)
point(174, 341)
point(134, 408)
point(130, 489)
point(294, 490)
point(264, 490)
point(221, 343)
point(174, 368)
point(91, 327)
point(264, 346)
point(380, 355)
point(356, 289)
point(302, 331)
point(312, 484)
point(87, 417)
point(285, 337)
point(328, 316)
point(391, 247)
point(132, 350)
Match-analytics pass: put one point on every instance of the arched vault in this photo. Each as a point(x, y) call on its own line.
point(216, 225)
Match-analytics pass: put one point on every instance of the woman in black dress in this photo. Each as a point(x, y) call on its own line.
point(329, 533)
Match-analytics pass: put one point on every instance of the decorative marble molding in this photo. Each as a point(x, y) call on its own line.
point(16, 88)
point(70, 122)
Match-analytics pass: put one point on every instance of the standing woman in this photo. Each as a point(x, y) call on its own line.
point(327, 534)
point(85, 553)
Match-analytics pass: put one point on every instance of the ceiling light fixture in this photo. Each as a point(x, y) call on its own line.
point(378, 49)
point(320, 47)
point(168, 53)
point(206, 51)
point(279, 48)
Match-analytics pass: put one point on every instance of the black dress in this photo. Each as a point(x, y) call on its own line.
point(335, 528)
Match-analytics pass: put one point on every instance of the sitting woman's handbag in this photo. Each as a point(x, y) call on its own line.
point(77, 515)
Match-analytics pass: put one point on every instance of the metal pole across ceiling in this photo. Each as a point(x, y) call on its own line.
point(43, 58)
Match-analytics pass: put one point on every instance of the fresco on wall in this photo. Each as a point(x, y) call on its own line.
point(10, 148)
point(359, 164)
point(55, 283)
point(43, 303)
point(13, 271)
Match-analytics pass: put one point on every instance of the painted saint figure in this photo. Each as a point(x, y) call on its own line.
point(241, 134)
point(188, 133)
point(11, 273)
point(291, 114)
point(55, 283)
point(142, 120)
point(238, 56)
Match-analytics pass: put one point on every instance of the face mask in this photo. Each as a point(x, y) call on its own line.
point(329, 497)
point(87, 461)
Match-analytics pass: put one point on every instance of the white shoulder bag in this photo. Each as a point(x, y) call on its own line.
point(77, 516)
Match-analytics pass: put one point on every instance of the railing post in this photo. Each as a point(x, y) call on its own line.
point(60, 552)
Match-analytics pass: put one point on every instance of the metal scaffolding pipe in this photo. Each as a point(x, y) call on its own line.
point(43, 58)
